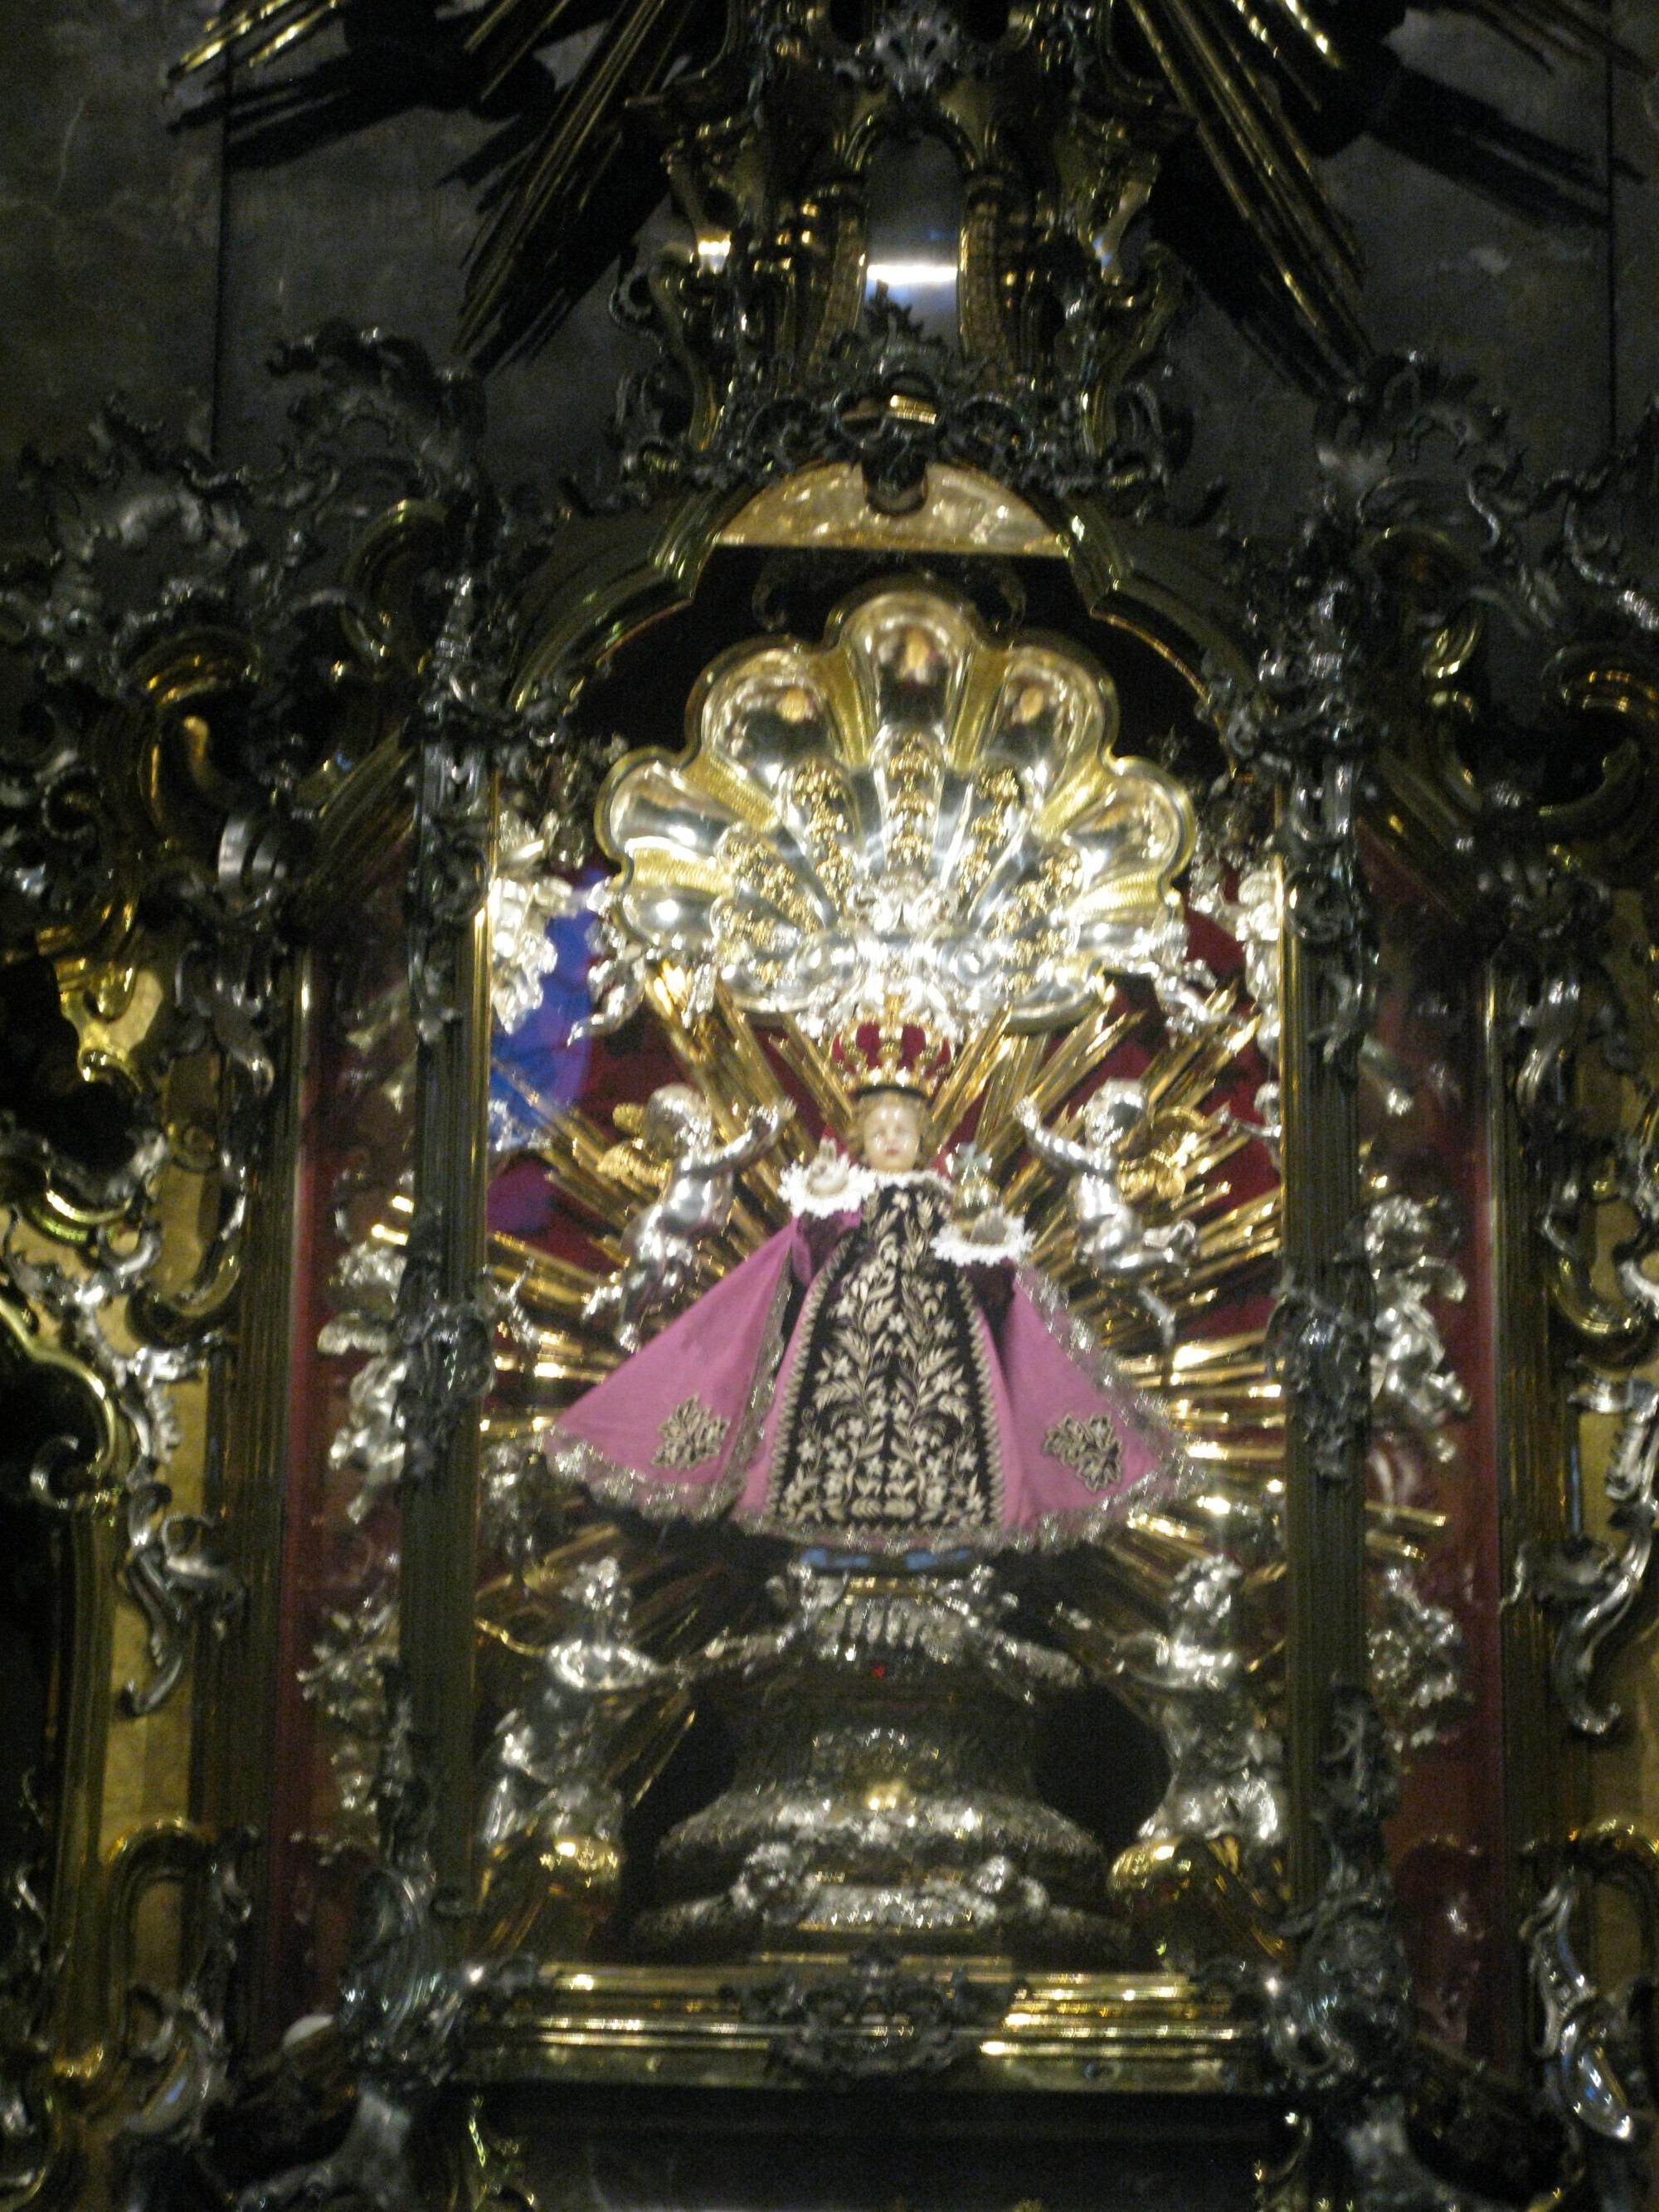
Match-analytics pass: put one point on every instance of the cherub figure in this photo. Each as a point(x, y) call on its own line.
point(1112, 1238)
point(696, 1201)
point(550, 1824)
point(1194, 1679)
point(1415, 1389)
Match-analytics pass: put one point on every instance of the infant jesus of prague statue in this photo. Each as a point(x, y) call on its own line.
point(883, 1374)
point(910, 841)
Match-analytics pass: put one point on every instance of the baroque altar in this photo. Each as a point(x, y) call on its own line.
point(842, 1246)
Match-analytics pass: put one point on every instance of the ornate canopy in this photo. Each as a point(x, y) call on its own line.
point(907, 813)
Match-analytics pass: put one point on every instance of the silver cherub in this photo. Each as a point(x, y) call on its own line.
point(551, 1819)
point(1194, 1681)
point(548, 1759)
point(1415, 1389)
point(1112, 1238)
point(698, 1191)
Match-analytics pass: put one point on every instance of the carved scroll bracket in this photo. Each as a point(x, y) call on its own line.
point(173, 1569)
point(1594, 2049)
point(1590, 1589)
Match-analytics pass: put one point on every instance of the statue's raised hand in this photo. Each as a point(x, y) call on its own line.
point(830, 1171)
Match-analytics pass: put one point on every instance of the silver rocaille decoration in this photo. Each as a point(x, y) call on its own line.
point(1340, 2022)
point(1589, 2043)
point(29, 1972)
point(872, 2019)
point(185, 2063)
point(526, 896)
point(1416, 1656)
point(905, 812)
point(1588, 1589)
point(1319, 1348)
point(402, 2003)
point(174, 1570)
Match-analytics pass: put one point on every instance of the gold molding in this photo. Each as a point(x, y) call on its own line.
point(698, 2028)
point(825, 507)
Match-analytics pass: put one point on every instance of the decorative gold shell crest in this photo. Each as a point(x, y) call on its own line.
point(908, 812)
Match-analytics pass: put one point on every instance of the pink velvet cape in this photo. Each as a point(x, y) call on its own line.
point(715, 1376)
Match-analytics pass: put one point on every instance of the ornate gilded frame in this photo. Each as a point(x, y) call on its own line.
point(180, 892)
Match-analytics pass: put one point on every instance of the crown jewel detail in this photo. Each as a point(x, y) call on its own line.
point(890, 1054)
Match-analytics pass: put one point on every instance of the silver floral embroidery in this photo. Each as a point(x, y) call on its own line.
point(889, 1420)
point(692, 1433)
point(1092, 1448)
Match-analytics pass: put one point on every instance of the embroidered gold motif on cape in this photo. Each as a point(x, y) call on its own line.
point(1092, 1448)
point(692, 1433)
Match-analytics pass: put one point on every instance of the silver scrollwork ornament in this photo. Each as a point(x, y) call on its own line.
point(1587, 2048)
point(173, 1571)
point(1588, 1589)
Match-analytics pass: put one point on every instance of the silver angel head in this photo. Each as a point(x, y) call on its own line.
point(1114, 1113)
point(677, 1120)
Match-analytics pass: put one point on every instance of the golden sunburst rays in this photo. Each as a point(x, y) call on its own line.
point(567, 198)
point(1212, 1385)
point(1195, 1161)
point(604, 1178)
point(548, 1349)
point(255, 34)
point(719, 1051)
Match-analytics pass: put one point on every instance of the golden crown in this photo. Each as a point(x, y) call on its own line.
point(890, 1053)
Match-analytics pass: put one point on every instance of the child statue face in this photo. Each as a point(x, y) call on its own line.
point(890, 1131)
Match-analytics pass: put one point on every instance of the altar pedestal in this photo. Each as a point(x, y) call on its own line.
point(884, 1792)
point(803, 2085)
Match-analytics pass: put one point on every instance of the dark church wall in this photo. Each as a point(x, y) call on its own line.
point(1634, 118)
point(134, 257)
point(109, 231)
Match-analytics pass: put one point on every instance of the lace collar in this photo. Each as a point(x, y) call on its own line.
point(861, 1183)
